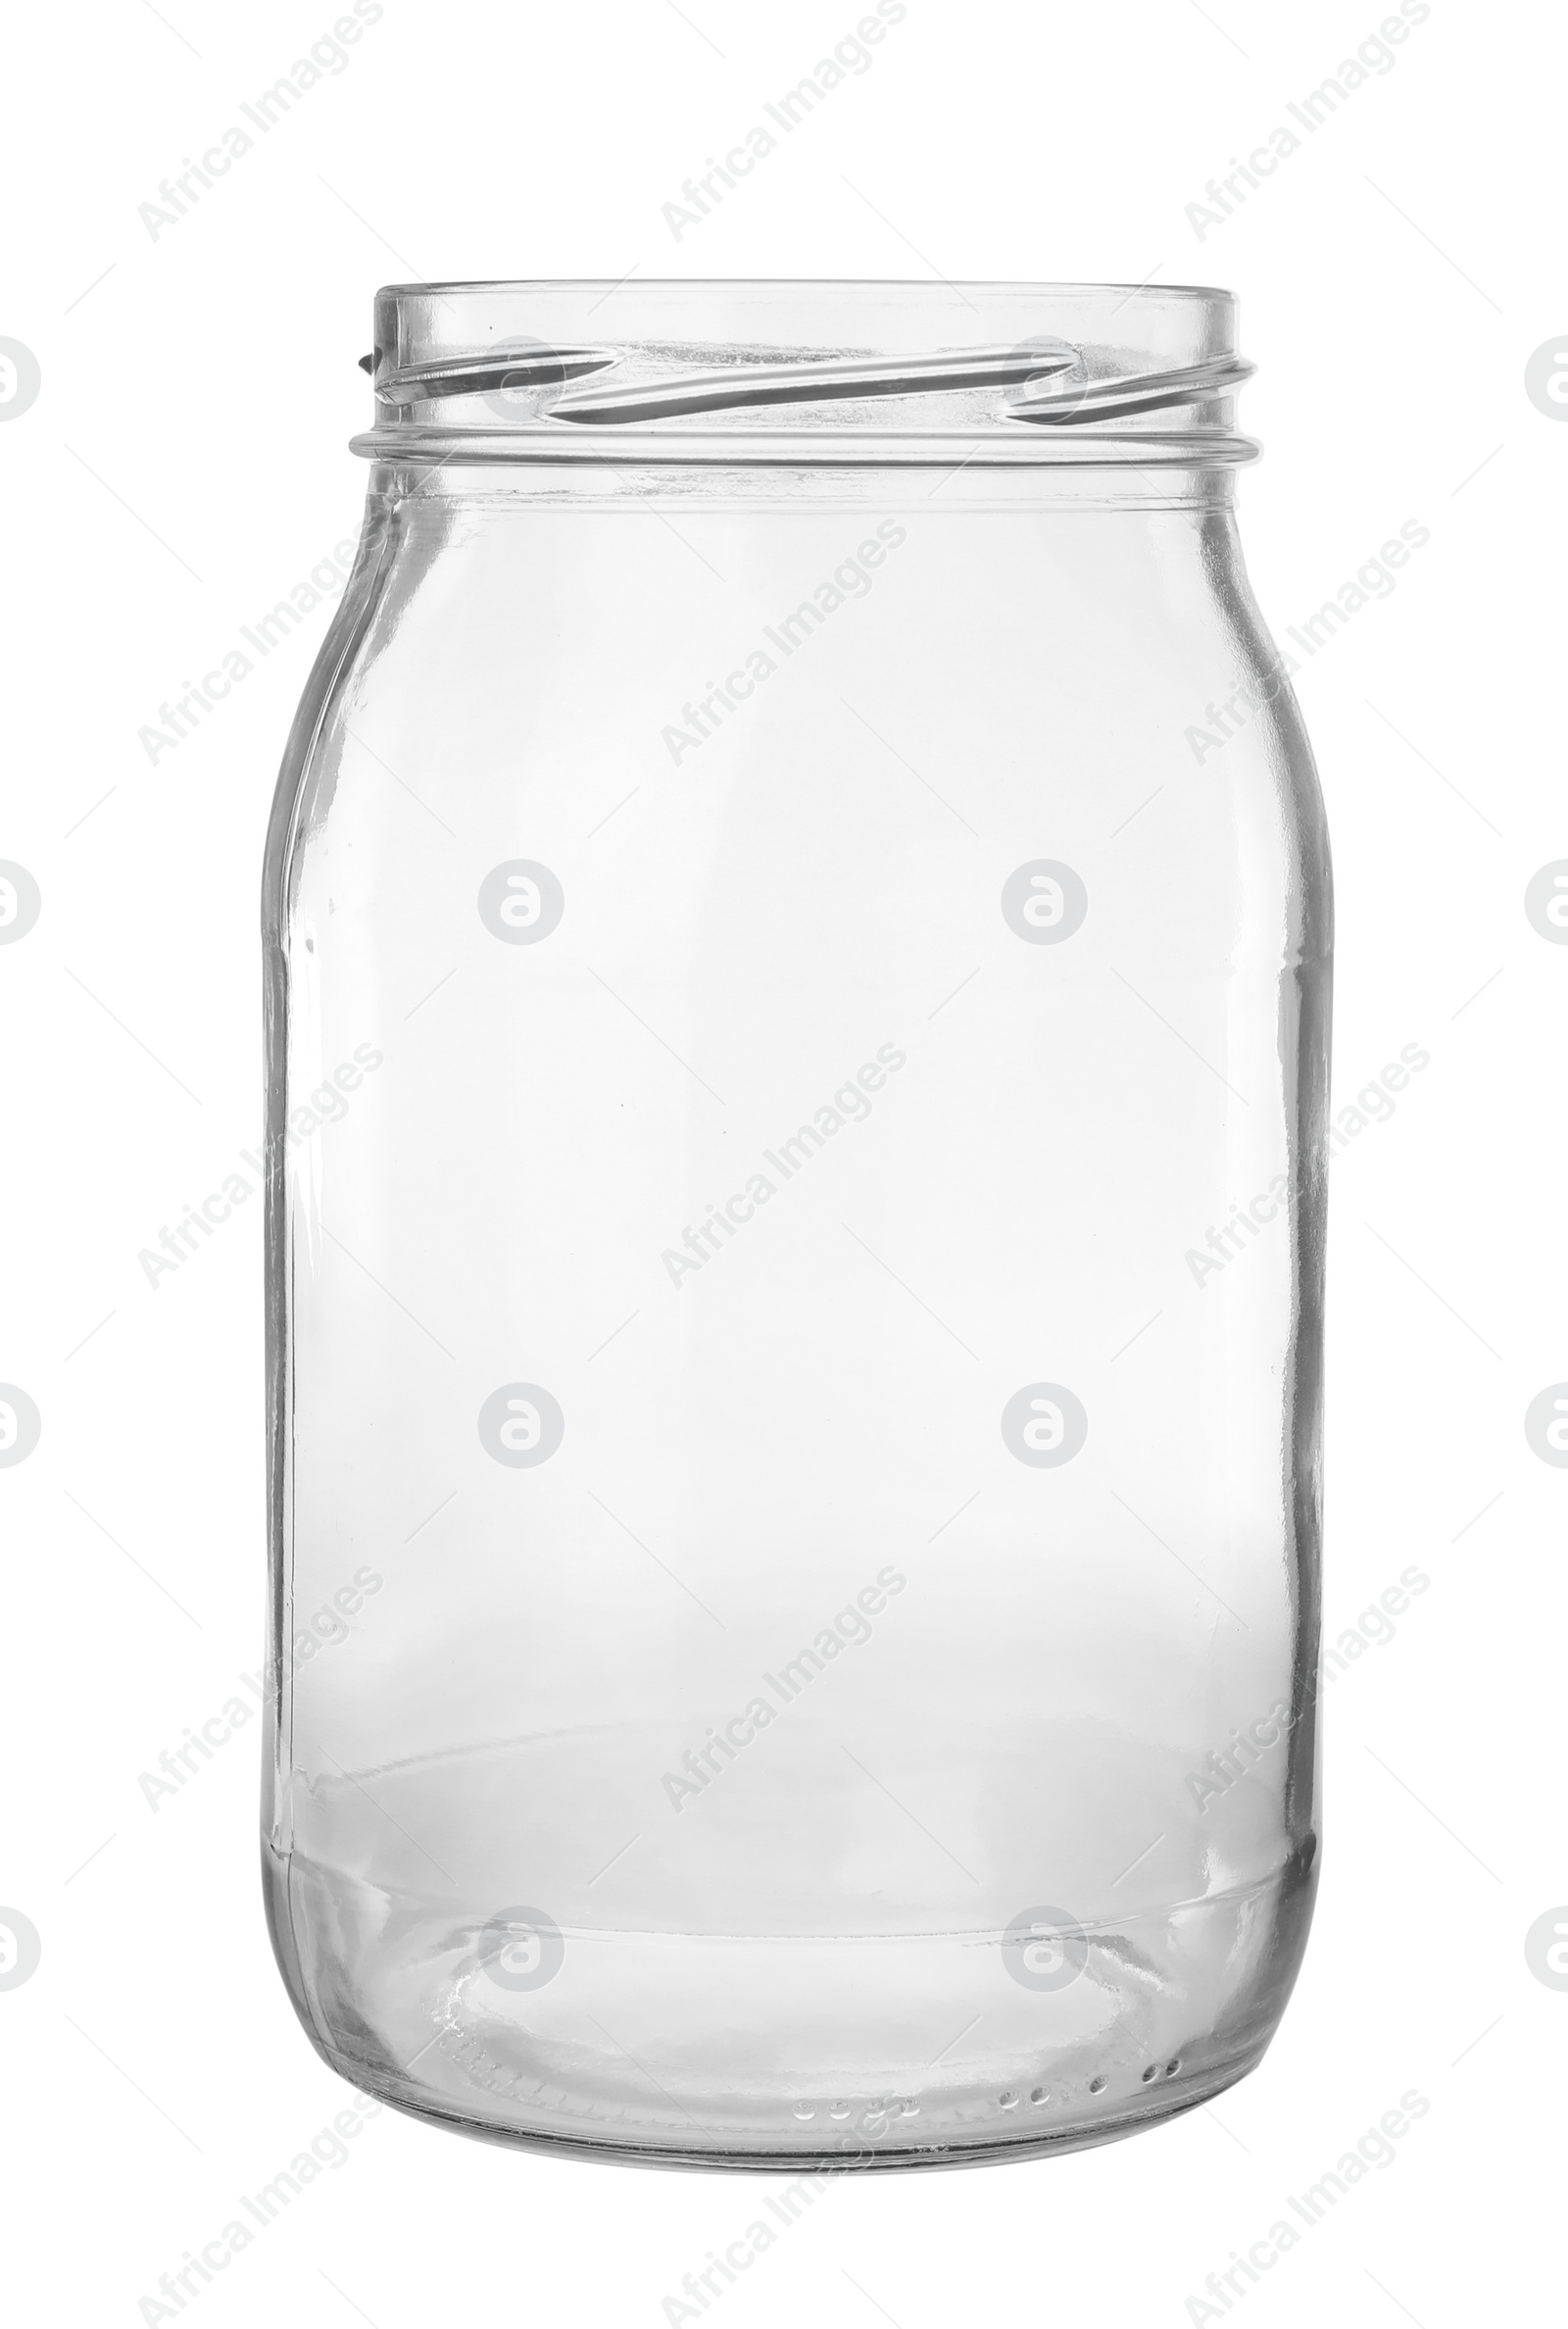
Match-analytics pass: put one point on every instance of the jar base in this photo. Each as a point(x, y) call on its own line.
point(863, 2148)
point(801, 2054)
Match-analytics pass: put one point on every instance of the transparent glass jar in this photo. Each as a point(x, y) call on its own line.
point(798, 933)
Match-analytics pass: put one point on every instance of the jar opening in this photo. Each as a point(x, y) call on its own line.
point(806, 374)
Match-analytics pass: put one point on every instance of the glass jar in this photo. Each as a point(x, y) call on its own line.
point(798, 935)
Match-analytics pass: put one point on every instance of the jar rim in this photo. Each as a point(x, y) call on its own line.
point(827, 371)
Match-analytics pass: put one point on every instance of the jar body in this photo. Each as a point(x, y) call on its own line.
point(795, 1252)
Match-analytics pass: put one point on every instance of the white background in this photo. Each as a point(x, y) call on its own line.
point(183, 467)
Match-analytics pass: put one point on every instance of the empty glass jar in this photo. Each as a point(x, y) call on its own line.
point(798, 933)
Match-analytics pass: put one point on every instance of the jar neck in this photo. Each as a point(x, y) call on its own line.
point(408, 485)
point(809, 378)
